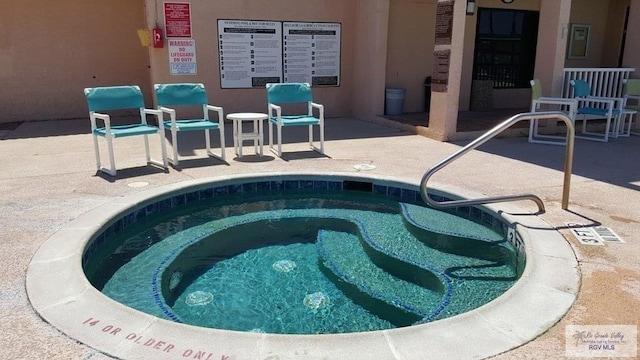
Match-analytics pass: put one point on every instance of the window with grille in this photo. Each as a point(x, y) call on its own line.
point(505, 49)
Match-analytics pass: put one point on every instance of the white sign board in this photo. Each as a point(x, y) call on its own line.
point(250, 53)
point(182, 57)
point(312, 53)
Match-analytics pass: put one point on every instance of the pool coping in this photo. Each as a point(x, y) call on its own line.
point(61, 294)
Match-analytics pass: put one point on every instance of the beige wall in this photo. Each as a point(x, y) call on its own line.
point(613, 33)
point(594, 13)
point(410, 48)
point(337, 100)
point(552, 45)
point(51, 50)
point(632, 50)
point(370, 58)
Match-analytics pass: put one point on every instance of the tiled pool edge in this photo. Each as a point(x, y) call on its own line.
point(61, 295)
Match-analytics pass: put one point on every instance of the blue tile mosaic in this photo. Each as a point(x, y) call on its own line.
point(277, 185)
point(234, 189)
point(192, 196)
point(486, 218)
point(151, 209)
point(409, 195)
point(164, 205)
point(394, 192)
point(249, 188)
point(320, 185)
point(130, 218)
point(334, 185)
point(220, 191)
point(463, 211)
point(178, 200)
point(306, 184)
point(263, 186)
point(206, 193)
point(379, 189)
point(475, 214)
point(291, 184)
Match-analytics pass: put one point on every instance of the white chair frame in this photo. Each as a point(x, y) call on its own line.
point(111, 170)
point(207, 132)
point(279, 125)
point(534, 136)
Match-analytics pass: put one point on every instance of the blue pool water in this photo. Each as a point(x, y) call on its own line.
point(305, 262)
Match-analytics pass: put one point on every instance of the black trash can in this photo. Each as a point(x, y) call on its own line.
point(427, 94)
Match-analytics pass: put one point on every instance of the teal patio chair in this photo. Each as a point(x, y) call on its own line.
point(631, 108)
point(114, 98)
point(290, 94)
point(592, 107)
point(168, 96)
point(567, 105)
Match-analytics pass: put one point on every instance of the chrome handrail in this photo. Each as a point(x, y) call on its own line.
point(568, 164)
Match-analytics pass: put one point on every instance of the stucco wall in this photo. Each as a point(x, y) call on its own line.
point(632, 52)
point(594, 13)
point(337, 100)
point(51, 50)
point(613, 34)
point(410, 48)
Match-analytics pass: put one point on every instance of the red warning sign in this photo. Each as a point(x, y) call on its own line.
point(177, 19)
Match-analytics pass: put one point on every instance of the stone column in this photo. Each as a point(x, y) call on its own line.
point(553, 31)
point(370, 57)
point(447, 68)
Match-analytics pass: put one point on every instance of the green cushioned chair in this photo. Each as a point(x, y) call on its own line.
point(592, 107)
point(168, 96)
point(288, 94)
point(631, 105)
point(567, 105)
point(114, 98)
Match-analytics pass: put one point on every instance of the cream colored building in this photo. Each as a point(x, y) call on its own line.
point(51, 50)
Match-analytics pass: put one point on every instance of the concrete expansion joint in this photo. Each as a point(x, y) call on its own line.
point(391, 345)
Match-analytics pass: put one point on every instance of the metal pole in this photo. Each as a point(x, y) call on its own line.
point(568, 164)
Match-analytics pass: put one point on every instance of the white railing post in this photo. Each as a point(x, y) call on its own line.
point(605, 82)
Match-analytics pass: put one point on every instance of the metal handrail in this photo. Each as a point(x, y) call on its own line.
point(568, 164)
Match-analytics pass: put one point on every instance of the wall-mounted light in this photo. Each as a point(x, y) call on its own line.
point(471, 7)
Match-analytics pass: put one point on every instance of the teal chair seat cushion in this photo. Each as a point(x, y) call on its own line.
point(127, 130)
point(296, 120)
point(596, 111)
point(196, 124)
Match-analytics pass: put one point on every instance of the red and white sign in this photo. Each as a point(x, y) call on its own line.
point(182, 57)
point(177, 20)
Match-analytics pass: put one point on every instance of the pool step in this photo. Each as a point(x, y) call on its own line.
point(401, 302)
point(440, 222)
point(453, 234)
point(462, 266)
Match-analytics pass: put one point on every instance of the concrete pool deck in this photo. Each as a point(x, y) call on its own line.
point(49, 180)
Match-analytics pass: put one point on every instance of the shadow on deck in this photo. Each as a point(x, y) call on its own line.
point(468, 121)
